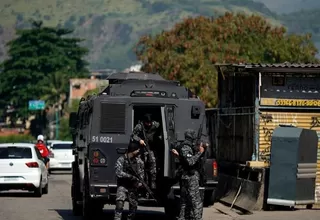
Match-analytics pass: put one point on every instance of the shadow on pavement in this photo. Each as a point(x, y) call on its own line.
point(108, 214)
point(17, 194)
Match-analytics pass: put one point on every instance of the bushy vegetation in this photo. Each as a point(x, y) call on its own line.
point(188, 51)
point(23, 138)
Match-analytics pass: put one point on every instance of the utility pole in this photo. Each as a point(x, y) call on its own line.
point(57, 121)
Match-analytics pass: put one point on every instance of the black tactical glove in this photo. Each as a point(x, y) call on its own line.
point(134, 178)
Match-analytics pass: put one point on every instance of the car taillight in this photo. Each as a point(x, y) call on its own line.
point(215, 168)
point(51, 155)
point(98, 158)
point(32, 165)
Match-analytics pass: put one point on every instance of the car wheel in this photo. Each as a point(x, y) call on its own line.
point(45, 190)
point(309, 206)
point(38, 191)
point(209, 197)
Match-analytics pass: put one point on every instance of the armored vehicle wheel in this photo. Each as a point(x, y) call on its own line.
point(75, 191)
point(97, 208)
point(209, 197)
point(76, 207)
point(87, 203)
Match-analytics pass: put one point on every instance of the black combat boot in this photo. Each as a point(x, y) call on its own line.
point(132, 213)
point(118, 211)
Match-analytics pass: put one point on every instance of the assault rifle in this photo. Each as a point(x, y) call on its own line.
point(144, 184)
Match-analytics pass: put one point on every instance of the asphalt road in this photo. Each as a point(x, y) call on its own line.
point(57, 206)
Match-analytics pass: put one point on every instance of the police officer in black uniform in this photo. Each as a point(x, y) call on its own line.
point(127, 168)
point(189, 154)
point(144, 134)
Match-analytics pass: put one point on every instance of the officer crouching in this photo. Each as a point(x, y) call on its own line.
point(191, 206)
point(127, 168)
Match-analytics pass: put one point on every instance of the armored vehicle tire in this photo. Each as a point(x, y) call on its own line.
point(75, 191)
point(209, 197)
point(171, 209)
point(86, 200)
point(90, 208)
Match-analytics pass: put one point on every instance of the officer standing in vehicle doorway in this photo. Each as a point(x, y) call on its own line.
point(129, 169)
point(144, 133)
point(191, 206)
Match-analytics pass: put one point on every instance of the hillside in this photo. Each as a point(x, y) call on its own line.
point(289, 6)
point(112, 27)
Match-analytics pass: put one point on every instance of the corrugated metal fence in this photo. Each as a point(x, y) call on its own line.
point(233, 130)
point(269, 120)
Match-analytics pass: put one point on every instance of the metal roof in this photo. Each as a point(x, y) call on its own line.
point(277, 67)
point(135, 75)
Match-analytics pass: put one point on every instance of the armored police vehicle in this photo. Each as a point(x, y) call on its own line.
point(102, 128)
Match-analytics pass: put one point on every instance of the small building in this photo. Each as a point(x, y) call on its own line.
point(78, 87)
point(102, 73)
point(253, 100)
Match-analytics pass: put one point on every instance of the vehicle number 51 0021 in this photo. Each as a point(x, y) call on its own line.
point(101, 139)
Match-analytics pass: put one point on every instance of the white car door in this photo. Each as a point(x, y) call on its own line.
point(42, 166)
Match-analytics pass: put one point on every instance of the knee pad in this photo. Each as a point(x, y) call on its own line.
point(119, 205)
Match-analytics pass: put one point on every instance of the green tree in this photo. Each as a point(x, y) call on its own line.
point(56, 89)
point(64, 133)
point(187, 52)
point(35, 56)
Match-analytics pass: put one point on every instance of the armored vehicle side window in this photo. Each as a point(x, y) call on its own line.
point(113, 118)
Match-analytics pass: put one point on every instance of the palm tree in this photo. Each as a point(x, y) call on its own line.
point(56, 90)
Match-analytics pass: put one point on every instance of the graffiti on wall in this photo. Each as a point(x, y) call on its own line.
point(315, 122)
point(269, 121)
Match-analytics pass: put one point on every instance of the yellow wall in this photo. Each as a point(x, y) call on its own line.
point(270, 120)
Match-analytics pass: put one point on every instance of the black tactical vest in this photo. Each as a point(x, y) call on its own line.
point(189, 170)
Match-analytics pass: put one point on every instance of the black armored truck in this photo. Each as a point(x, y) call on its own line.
point(101, 133)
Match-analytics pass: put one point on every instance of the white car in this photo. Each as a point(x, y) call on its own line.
point(23, 168)
point(61, 156)
point(50, 142)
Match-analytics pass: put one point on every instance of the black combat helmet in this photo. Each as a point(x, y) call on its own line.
point(190, 135)
point(147, 120)
point(133, 147)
